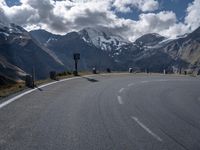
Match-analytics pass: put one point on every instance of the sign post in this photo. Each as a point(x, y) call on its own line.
point(76, 58)
point(33, 77)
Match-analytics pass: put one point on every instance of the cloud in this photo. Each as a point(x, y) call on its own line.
point(59, 16)
point(63, 16)
point(3, 17)
point(192, 18)
point(151, 23)
point(128, 5)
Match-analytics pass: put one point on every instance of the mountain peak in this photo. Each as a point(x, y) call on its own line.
point(102, 38)
point(11, 28)
point(150, 39)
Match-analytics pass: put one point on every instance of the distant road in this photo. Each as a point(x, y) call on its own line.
point(106, 112)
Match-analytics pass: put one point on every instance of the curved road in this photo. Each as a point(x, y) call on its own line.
point(106, 112)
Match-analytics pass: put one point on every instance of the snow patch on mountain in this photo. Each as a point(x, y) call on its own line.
point(104, 40)
point(51, 39)
point(4, 33)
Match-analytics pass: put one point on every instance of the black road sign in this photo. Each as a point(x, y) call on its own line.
point(76, 56)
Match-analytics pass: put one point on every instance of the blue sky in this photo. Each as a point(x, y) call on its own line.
point(12, 2)
point(129, 18)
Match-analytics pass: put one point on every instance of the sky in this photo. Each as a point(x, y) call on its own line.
point(128, 18)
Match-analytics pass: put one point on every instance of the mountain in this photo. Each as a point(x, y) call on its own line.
point(44, 37)
point(102, 38)
point(99, 47)
point(20, 52)
point(151, 51)
point(75, 42)
point(150, 39)
point(186, 49)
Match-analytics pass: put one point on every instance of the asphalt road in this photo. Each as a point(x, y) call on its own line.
point(106, 112)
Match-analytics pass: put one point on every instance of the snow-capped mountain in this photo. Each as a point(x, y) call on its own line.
point(149, 51)
point(99, 48)
point(185, 49)
point(151, 39)
point(102, 38)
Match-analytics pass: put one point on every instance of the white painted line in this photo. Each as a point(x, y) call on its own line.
point(121, 90)
point(15, 98)
point(107, 74)
point(120, 100)
point(131, 84)
point(32, 90)
point(164, 80)
point(144, 81)
point(147, 129)
point(198, 98)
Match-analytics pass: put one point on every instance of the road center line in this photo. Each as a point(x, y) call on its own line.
point(131, 84)
point(121, 90)
point(144, 81)
point(119, 98)
point(162, 80)
point(147, 129)
point(198, 98)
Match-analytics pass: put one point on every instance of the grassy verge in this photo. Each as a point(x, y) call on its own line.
point(11, 89)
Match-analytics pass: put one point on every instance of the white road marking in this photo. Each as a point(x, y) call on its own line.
point(131, 84)
point(162, 80)
point(121, 90)
point(15, 98)
point(119, 98)
point(144, 81)
point(107, 74)
point(147, 129)
point(32, 90)
point(198, 98)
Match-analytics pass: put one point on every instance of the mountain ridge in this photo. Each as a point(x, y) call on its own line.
point(98, 48)
point(19, 49)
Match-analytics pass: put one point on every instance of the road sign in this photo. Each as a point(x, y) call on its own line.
point(76, 56)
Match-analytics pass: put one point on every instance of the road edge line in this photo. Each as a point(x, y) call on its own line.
point(9, 101)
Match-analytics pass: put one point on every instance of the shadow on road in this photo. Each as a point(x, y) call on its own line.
point(90, 79)
point(38, 88)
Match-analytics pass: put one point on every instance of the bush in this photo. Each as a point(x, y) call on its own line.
point(69, 73)
point(65, 73)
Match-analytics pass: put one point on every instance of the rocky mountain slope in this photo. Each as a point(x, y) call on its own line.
point(184, 51)
point(19, 53)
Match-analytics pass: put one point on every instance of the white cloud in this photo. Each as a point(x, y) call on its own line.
point(152, 23)
point(128, 5)
point(193, 15)
point(65, 16)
